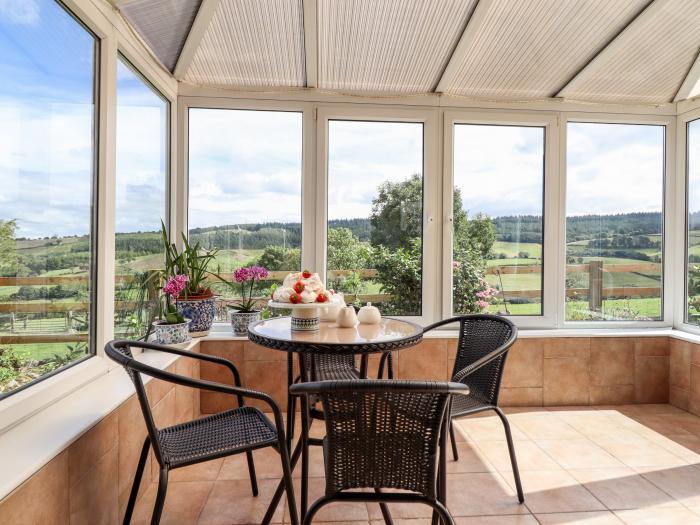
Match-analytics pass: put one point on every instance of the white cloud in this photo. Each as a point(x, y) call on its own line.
point(25, 12)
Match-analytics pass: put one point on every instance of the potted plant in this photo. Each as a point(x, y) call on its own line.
point(172, 328)
point(196, 301)
point(244, 312)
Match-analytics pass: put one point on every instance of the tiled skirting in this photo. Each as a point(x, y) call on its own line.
point(89, 482)
point(539, 371)
point(684, 375)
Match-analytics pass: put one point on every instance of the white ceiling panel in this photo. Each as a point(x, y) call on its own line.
point(394, 46)
point(163, 24)
point(530, 49)
point(648, 62)
point(251, 43)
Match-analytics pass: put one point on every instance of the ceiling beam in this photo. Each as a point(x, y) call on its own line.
point(619, 41)
point(465, 41)
point(194, 37)
point(310, 15)
point(691, 84)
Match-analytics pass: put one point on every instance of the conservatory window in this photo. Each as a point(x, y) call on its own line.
point(498, 226)
point(47, 173)
point(375, 213)
point(693, 240)
point(141, 198)
point(244, 199)
point(614, 222)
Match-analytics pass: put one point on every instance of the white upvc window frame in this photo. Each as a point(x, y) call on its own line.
point(670, 244)
point(429, 118)
point(550, 204)
point(308, 171)
point(681, 216)
point(114, 37)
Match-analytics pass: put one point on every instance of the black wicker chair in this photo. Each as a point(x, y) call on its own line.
point(482, 349)
point(383, 434)
point(241, 429)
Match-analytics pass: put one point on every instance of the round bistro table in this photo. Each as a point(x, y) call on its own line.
point(330, 339)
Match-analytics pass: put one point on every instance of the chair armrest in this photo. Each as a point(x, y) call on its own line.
point(187, 353)
point(476, 365)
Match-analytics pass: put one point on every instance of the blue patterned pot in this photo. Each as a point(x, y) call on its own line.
point(172, 334)
point(202, 313)
point(241, 320)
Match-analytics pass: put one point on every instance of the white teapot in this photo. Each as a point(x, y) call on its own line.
point(347, 318)
point(369, 314)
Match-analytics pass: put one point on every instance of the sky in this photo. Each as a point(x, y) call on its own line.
point(245, 166)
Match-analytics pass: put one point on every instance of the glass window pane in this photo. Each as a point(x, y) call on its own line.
point(141, 200)
point(614, 222)
point(47, 64)
point(497, 250)
point(375, 213)
point(693, 249)
point(245, 190)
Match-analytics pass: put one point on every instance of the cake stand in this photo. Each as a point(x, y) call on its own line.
point(305, 316)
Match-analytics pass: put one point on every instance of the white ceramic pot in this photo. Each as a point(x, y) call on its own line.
point(172, 334)
point(369, 314)
point(240, 321)
point(347, 318)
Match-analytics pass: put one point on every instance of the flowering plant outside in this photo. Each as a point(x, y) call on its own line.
point(246, 279)
point(472, 293)
point(170, 292)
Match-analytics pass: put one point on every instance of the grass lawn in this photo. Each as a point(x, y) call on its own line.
point(40, 351)
point(512, 249)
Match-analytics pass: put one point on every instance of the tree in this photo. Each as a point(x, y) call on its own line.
point(276, 258)
point(399, 274)
point(8, 249)
point(345, 251)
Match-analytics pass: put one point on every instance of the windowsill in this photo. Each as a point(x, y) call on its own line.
point(31, 444)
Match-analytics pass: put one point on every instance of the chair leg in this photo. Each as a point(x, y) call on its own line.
point(444, 514)
point(137, 481)
point(288, 484)
point(511, 451)
point(453, 439)
point(160, 496)
point(251, 471)
point(325, 500)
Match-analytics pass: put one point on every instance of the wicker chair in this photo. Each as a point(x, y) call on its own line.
point(383, 434)
point(241, 429)
point(482, 349)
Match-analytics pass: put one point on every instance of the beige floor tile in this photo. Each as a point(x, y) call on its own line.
point(544, 425)
point(207, 471)
point(685, 447)
point(658, 516)
point(578, 453)
point(521, 519)
point(230, 502)
point(529, 456)
point(635, 450)
point(471, 459)
point(183, 503)
point(579, 518)
point(682, 483)
point(339, 511)
point(485, 428)
point(481, 494)
point(622, 488)
point(556, 491)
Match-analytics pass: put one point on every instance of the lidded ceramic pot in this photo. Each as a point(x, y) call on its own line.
point(347, 318)
point(369, 314)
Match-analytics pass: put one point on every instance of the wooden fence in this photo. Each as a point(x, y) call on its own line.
point(594, 293)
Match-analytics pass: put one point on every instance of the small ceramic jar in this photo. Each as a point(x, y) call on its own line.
point(369, 314)
point(347, 318)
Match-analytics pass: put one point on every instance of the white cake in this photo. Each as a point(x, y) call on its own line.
point(302, 288)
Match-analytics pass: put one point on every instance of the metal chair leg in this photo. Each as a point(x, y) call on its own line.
point(453, 439)
point(251, 472)
point(511, 451)
point(288, 484)
point(444, 514)
point(315, 508)
point(160, 497)
point(137, 481)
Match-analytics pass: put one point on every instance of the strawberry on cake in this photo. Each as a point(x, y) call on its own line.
point(302, 288)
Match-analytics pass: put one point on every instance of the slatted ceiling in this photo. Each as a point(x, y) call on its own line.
point(397, 46)
point(251, 43)
point(163, 24)
point(652, 61)
point(530, 49)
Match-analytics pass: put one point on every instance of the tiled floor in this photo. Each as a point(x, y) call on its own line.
point(637, 464)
